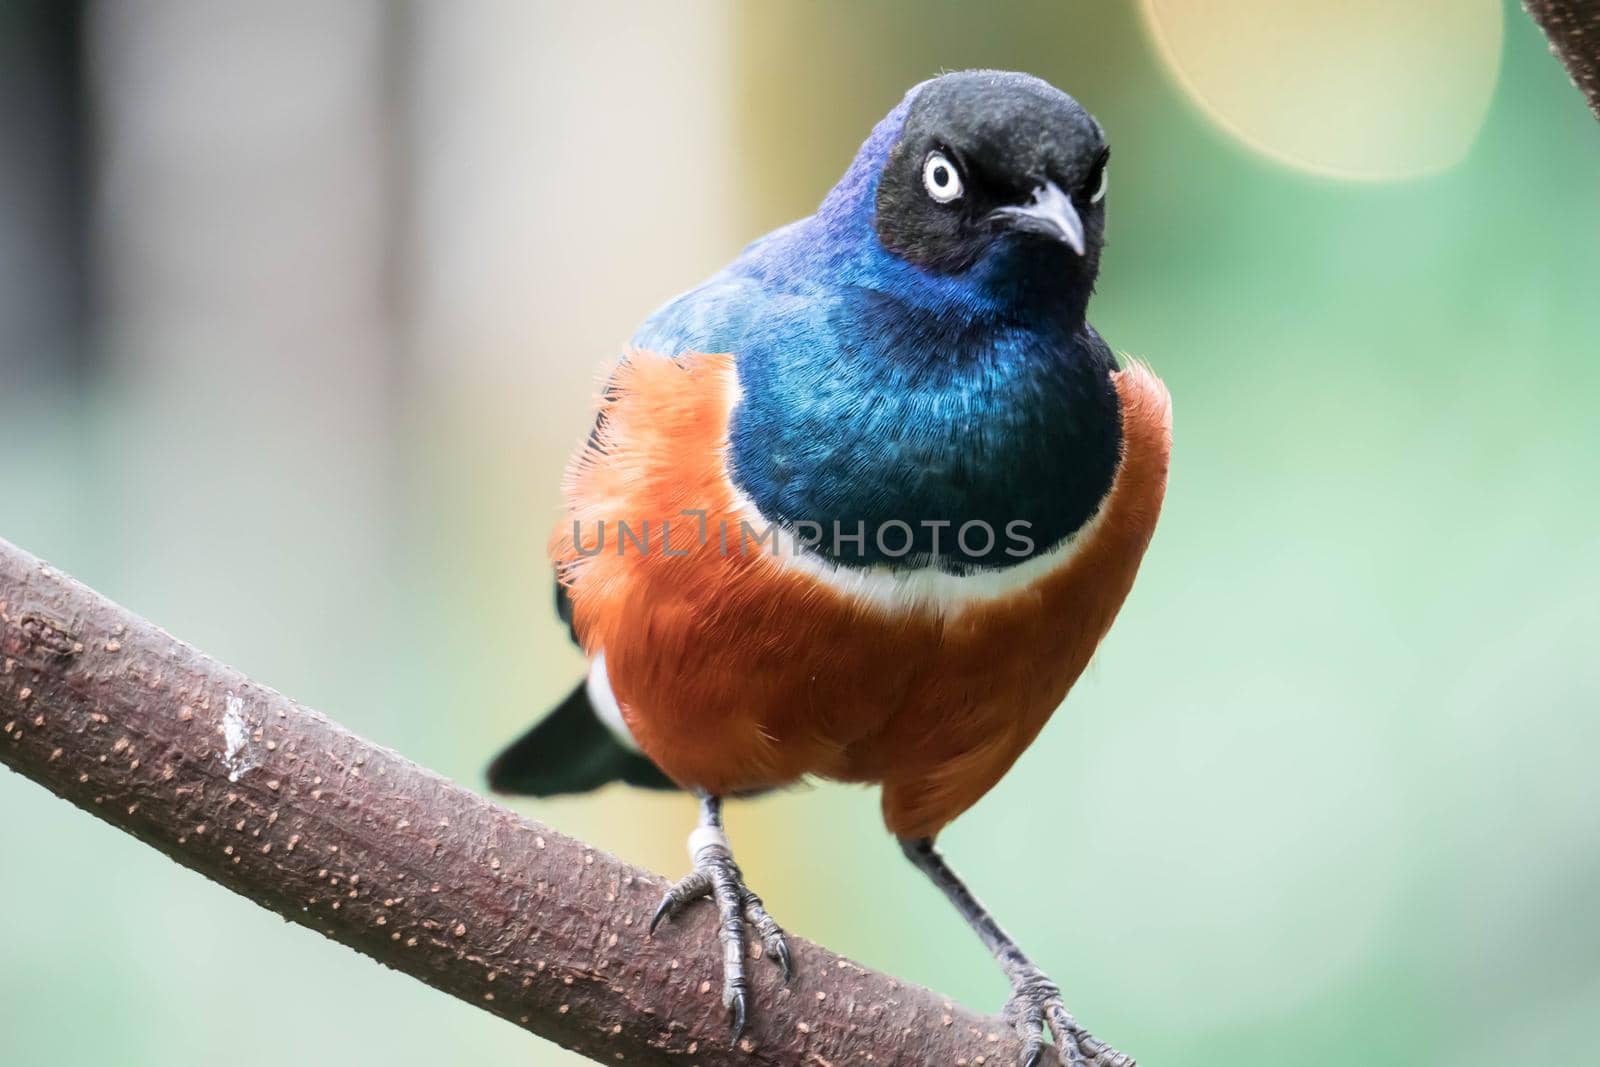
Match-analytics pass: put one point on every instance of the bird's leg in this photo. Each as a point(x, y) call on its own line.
point(1035, 1000)
point(717, 876)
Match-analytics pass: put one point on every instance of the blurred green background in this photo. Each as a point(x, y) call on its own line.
point(302, 306)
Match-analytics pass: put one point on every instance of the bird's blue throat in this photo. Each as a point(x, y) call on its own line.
point(889, 448)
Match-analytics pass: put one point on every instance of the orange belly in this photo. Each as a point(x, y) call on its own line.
point(736, 669)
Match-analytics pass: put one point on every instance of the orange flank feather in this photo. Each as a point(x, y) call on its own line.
point(736, 670)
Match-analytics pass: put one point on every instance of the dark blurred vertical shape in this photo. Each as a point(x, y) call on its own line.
point(43, 274)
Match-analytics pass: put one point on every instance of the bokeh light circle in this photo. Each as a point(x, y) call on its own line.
point(1365, 89)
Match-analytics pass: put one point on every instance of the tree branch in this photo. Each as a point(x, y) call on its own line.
point(286, 808)
point(1573, 27)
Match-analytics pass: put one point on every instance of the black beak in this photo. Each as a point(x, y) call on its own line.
point(1050, 213)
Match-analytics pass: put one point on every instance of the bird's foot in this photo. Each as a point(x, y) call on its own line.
point(717, 876)
point(1035, 1004)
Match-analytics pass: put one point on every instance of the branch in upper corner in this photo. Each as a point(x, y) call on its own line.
point(1573, 27)
point(282, 806)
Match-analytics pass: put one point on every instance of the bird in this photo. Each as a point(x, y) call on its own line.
point(862, 506)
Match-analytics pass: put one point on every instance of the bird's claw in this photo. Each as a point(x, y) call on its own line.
point(773, 943)
point(1036, 1004)
point(691, 887)
point(783, 959)
point(738, 1008)
point(717, 876)
point(662, 911)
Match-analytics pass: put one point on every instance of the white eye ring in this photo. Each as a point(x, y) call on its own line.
point(939, 177)
point(1105, 181)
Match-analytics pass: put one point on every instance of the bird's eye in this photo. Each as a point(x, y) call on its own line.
point(1099, 177)
point(939, 177)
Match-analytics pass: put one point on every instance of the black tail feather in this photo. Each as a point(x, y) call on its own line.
point(571, 751)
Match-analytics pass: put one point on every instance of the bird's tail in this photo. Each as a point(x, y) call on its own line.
point(571, 751)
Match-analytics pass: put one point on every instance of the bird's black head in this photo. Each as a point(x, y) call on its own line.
point(989, 158)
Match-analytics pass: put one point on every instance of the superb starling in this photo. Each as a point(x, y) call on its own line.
point(862, 506)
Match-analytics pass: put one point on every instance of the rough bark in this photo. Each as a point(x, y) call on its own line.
point(1573, 27)
point(284, 807)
